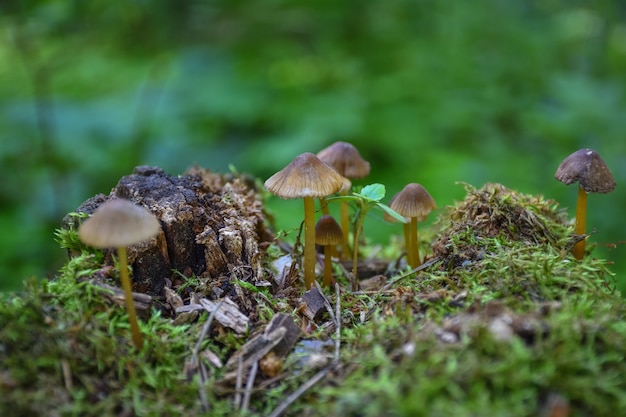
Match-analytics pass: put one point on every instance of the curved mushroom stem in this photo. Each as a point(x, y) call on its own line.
point(581, 222)
point(309, 242)
point(128, 298)
point(414, 248)
point(328, 265)
point(407, 243)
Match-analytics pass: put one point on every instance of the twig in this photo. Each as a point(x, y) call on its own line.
point(423, 266)
point(238, 383)
point(338, 323)
point(194, 358)
point(334, 316)
point(249, 384)
point(298, 393)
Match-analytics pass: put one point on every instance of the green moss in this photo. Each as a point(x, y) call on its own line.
point(504, 322)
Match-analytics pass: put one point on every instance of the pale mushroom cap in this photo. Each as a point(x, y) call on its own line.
point(413, 201)
point(589, 169)
point(328, 231)
point(305, 176)
point(118, 223)
point(346, 160)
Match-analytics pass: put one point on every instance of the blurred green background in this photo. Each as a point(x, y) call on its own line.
point(429, 91)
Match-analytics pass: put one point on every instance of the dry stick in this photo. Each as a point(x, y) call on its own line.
point(321, 374)
point(338, 323)
point(411, 272)
point(249, 384)
point(196, 352)
point(297, 393)
point(238, 383)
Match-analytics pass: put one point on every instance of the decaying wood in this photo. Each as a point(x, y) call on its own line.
point(313, 304)
point(143, 302)
point(212, 225)
point(228, 314)
point(279, 337)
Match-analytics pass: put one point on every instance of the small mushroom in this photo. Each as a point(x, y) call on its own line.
point(347, 161)
point(586, 167)
point(117, 224)
point(308, 178)
point(328, 234)
point(415, 203)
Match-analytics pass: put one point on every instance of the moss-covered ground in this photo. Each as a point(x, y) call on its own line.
point(502, 322)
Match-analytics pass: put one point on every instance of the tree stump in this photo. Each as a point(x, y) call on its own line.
point(212, 227)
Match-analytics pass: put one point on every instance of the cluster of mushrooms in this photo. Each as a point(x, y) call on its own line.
point(329, 172)
point(119, 223)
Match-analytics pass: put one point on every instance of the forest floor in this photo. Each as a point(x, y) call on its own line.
point(499, 320)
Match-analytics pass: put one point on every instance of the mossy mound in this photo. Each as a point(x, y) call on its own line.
point(503, 321)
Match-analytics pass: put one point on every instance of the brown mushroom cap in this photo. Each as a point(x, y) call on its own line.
point(588, 168)
point(118, 223)
point(305, 176)
point(328, 231)
point(413, 201)
point(346, 160)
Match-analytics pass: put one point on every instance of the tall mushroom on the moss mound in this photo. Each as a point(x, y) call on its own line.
point(587, 168)
point(117, 224)
point(308, 178)
point(347, 161)
point(415, 203)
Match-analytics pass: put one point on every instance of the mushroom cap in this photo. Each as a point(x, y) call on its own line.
point(589, 169)
point(305, 176)
point(118, 223)
point(328, 231)
point(346, 160)
point(413, 201)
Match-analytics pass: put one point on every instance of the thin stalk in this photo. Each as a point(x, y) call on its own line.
point(416, 253)
point(128, 298)
point(581, 223)
point(309, 242)
point(355, 253)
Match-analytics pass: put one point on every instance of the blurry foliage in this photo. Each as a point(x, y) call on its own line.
point(430, 91)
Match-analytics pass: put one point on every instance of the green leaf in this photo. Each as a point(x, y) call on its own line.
point(372, 192)
point(392, 213)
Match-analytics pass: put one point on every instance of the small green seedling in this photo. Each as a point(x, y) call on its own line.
point(368, 198)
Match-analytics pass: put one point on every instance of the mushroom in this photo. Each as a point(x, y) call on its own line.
point(415, 203)
point(347, 161)
point(308, 178)
point(328, 234)
point(117, 224)
point(587, 168)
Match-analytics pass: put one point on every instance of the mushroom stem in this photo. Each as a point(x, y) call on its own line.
point(407, 243)
point(309, 242)
point(581, 222)
point(414, 248)
point(345, 227)
point(328, 265)
point(128, 297)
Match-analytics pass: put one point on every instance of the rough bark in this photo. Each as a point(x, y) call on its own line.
point(212, 227)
